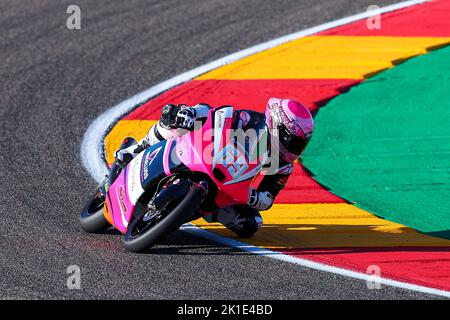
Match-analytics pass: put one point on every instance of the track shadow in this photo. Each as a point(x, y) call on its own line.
point(340, 235)
point(341, 238)
point(440, 234)
point(112, 231)
point(347, 250)
point(183, 243)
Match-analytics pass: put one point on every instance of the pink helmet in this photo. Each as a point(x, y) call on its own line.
point(292, 123)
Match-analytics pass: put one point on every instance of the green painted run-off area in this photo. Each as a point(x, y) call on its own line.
point(385, 145)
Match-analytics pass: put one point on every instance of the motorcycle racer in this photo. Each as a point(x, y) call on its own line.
point(287, 120)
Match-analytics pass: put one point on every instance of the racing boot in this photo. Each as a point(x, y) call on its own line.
point(242, 220)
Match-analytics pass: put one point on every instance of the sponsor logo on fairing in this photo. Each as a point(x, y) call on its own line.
point(150, 156)
point(121, 197)
point(120, 193)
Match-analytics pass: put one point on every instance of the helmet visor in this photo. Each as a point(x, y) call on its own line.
point(292, 143)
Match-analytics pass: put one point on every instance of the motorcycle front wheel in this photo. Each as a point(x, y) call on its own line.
point(143, 234)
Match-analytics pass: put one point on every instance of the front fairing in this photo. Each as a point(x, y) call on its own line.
point(140, 175)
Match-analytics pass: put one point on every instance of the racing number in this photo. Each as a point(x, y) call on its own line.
point(233, 161)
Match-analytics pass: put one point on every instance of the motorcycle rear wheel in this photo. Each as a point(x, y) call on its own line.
point(92, 219)
point(135, 241)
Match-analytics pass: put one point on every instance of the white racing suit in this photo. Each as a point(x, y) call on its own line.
point(243, 220)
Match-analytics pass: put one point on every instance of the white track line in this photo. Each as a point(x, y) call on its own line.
point(92, 146)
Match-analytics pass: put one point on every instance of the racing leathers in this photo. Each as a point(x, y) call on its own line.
point(244, 220)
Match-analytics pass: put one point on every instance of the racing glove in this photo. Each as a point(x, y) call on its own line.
point(259, 200)
point(185, 118)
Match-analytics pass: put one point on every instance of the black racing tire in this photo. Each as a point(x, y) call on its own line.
point(92, 219)
point(179, 215)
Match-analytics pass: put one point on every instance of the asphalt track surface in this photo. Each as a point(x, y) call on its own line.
point(55, 82)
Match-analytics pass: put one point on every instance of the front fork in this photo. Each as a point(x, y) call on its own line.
point(176, 190)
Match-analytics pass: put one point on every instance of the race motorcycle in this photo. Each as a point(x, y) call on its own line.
point(176, 181)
